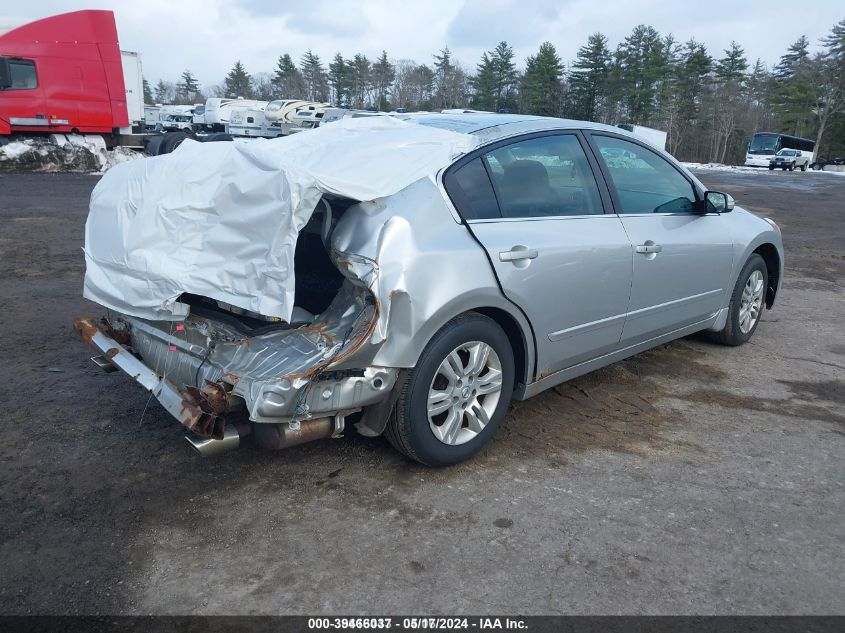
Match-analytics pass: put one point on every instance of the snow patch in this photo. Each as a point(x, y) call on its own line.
point(722, 167)
point(63, 153)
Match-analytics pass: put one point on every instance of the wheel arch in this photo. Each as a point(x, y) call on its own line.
point(519, 345)
point(770, 255)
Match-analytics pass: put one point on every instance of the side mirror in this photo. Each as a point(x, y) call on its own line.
point(5, 73)
point(718, 202)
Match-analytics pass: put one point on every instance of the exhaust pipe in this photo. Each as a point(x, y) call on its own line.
point(207, 446)
point(277, 436)
point(269, 436)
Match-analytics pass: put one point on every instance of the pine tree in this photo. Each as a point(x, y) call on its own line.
point(796, 55)
point(287, 79)
point(339, 81)
point(314, 77)
point(421, 80)
point(828, 71)
point(588, 81)
point(238, 83)
point(733, 65)
point(450, 82)
point(496, 79)
point(187, 88)
point(360, 80)
point(542, 90)
point(484, 84)
point(692, 83)
point(727, 99)
point(163, 92)
point(794, 94)
point(640, 63)
point(383, 75)
point(148, 93)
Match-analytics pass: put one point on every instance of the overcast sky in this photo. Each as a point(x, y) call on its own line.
point(207, 36)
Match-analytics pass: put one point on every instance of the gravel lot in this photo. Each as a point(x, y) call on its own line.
point(691, 479)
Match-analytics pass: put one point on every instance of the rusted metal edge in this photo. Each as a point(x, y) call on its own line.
point(201, 411)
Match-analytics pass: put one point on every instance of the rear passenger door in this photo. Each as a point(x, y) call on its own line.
point(535, 206)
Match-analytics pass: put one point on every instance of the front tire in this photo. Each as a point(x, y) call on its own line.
point(746, 305)
point(452, 402)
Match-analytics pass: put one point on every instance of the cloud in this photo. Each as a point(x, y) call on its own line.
point(207, 36)
point(484, 23)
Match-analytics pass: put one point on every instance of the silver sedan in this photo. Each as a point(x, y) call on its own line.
point(552, 249)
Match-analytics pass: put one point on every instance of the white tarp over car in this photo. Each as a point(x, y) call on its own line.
point(221, 220)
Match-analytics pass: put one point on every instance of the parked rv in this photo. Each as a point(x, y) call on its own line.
point(217, 112)
point(251, 122)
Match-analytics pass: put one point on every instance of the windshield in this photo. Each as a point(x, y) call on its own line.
point(764, 144)
point(787, 152)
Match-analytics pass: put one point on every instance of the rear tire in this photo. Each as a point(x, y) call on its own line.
point(449, 405)
point(171, 141)
point(804, 167)
point(749, 295)
point(154, 145)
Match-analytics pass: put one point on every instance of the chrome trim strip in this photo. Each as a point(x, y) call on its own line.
point(543, 217)
point(611, 357)
point(585, 327)
point(25, 121)
point(668, 304)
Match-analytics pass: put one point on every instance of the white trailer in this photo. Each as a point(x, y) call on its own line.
point(218, 110)
point(650, 135)
point(294, 115)
point(133, 79)
point(251, 122)
point(151, 116)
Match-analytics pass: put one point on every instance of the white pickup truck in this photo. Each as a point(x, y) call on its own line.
point(790, 159)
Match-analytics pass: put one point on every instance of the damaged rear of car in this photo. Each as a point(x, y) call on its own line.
point(250, 287)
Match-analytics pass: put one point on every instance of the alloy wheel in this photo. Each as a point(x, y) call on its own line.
point(464, 393)
point(751, 302)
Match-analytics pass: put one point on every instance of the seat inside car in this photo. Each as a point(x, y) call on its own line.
point(526, 191)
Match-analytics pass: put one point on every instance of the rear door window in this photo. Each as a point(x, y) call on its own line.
point(471, 192)
point(547, 176)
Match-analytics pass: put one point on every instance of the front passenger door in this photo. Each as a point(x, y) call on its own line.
point(683, 257)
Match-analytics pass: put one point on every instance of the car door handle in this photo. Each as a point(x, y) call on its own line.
point(518, 253)
point(649, 248)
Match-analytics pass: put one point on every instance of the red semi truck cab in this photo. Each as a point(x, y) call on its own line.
point(63, 74)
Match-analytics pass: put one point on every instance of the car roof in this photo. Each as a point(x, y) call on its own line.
point(491, 125)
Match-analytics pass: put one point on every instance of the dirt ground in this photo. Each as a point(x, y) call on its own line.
point(691, 479)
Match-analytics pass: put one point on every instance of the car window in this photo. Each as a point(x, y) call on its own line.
point(471, 191)
point(544, 177)
point(23, 74)
point(645, 182)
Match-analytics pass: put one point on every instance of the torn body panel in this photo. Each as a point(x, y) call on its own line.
point(279, 376)
point(423, 267)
